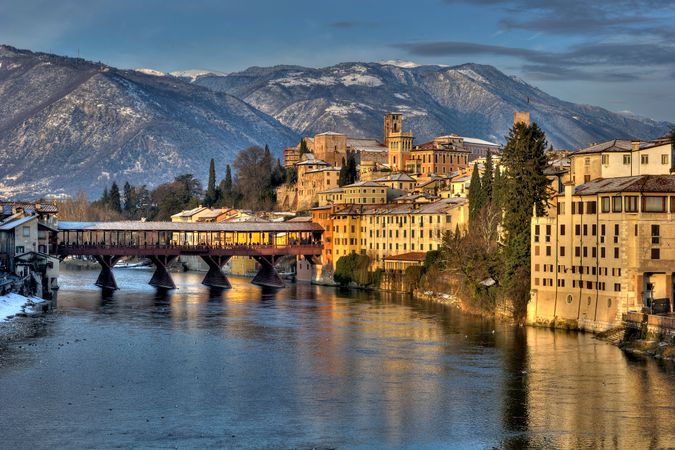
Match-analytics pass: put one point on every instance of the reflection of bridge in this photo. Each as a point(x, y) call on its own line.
point(215, 243)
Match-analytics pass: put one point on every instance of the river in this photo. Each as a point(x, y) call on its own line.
point(314, 367)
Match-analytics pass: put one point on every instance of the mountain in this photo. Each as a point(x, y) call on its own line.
point(470, 100)
point(69, 125)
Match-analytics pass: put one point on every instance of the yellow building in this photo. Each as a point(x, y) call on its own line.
point(384, 230)
point(191, 215)
point(618, 158)
point(314, 176)
point(606, 247)
point(399, 180)
point(400, 145)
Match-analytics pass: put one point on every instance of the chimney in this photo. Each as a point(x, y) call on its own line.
point(635, 145)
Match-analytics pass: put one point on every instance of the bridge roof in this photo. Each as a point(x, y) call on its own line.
point(244, 227)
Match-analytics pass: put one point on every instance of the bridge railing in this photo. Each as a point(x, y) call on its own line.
point(185, 246)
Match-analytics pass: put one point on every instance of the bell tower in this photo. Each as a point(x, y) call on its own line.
point(393, 123)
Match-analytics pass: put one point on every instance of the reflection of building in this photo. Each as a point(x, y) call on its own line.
point(606, 247)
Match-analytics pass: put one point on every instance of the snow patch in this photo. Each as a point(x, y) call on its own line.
point(360, 79)
point(153, 72)
point(295, 80)
point(402, 96)
point(473, 75)
point(12, 304)
point(399, 63)
point(193, 74)
point(411, 112)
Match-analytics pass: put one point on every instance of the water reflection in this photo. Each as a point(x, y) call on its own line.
point(309, 366)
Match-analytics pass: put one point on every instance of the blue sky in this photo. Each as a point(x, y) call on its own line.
point(619, 54)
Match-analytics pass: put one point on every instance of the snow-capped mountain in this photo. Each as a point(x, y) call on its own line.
point(68, 125)
point(470, 100)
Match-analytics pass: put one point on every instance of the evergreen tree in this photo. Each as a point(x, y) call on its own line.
point(475, 194)
point(130, 199)
point(525, 191)
point(303, 147)
point(211, 196)
point(115, 200)
point(278, 174)
point(497, 184)
point(105, 197)
point(347, 171)
point(487, 180)
point(226, 188)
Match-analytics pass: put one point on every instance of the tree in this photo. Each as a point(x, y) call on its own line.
point(475, 195)
point(487, 180)
point(130, 200)
point(226, 194)
point(253, 182)
point(525, 192)
point(347, 171)
point(211, 196)
point(278, 174)
point(115, 200)
point(303, 147)
point(182, 193)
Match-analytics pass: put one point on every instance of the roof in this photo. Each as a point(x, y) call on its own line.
point(640, 183)
point(470, 140)
point(396, 177)
point(364, 184)
point(366, 145)
point(438, 207)
point(190, 212)
point(329, 133)
point(38, 207)
point(410, 256)
point(214, 213)
point(615, 145)
point(13, 223)
point(189, 226)
point(312, 162)
point(336, 190)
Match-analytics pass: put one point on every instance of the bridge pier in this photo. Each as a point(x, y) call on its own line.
point(215, 276)
point(162, 278)
point(267, 275)
point(106, 279)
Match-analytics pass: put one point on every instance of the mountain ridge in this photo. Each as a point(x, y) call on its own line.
point(100, 124)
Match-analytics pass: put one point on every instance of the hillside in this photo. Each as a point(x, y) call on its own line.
point(69, 125)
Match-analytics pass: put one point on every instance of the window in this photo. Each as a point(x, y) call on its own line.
point(616, 204)
point(19, 250)
point(602, 252)
point(605, 204)
point(562, 251)
point(616, 252)
point(656, 234)
point(664, 160)
point(591, 208)
point(562, 230)
point(644, 159)
point(626, 159)
point(654, 204)
point(26, 231)
point(605, 160)
point(617, 287)
point(631, 203)
point(548, 250)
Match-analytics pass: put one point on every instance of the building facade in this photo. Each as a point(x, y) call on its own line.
point(607, 247)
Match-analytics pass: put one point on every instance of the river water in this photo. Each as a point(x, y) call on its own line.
point(307, 367)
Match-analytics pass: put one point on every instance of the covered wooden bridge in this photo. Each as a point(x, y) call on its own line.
point(215, 243)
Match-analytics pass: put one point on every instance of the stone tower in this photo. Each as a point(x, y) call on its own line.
point(393, 123)
point(399, 144)
point(521, 117)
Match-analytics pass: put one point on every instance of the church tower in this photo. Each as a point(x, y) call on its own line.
point(393, 123)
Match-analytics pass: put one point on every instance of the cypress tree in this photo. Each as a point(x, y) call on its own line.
point(226, 187)
point(475, 194)
point(303, 147)
point(487, 181)
point(525, 190)
point(115, 200)
point(211, 196)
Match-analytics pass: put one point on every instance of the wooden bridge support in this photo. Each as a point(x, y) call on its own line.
point(267, 275)
point(215, 276)
point(106, 279)
point(162, 278)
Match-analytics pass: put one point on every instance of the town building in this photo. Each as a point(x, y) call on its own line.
point(606, 247)
point(617, 158)
point(330, 147)
point(390, 229)
point(28, 245)
point(441, 156)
